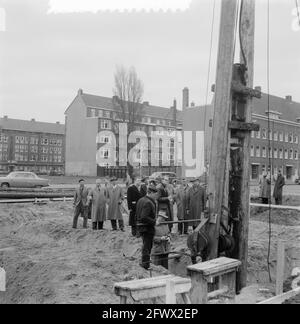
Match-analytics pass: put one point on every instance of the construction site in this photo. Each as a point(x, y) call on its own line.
point(244, 251)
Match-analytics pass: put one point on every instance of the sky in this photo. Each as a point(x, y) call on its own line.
point(51, 48)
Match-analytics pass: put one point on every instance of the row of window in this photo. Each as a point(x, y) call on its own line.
point(274, 153)
point(35, 141)
point(3, 138)
point(3, 147)
point(276, 136)
point(34, 158)
point(3, 156)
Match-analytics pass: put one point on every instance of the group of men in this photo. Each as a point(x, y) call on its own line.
point(265, 188)
point(152, 206)
point(102, 204)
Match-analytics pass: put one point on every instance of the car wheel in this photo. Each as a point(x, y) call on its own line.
point(5, 185)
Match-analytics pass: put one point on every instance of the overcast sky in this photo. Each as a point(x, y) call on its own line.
point(46, 57)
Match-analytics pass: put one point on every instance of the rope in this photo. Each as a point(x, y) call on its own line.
point(298, 12)
point(269, 139)
point(207, 84)
point(240, 35)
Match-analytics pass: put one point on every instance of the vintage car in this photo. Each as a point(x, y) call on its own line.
point(23, 180)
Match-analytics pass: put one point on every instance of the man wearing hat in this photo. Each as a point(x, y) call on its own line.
point(146, 220)
point(196, 201)
point(161, 247)
point(115, 199)
point(133, 196)
point(181, 199)
point(165, 199)
point(81, 204)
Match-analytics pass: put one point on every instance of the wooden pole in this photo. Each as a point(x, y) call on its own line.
point(170, 292)
point(220, 145)
point(247, 38)
point(280, 268)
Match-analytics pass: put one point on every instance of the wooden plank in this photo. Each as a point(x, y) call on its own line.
point(215, 266)
point(277, 300)
point(217, 293)
point(236, 125)
point(275, 206)
point(170, 292)
point(199, 288)
point(222, 103)
point(248, 40)
point(280, 267)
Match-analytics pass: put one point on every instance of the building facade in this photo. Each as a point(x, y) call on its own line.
point(31, 146)
point(93, 134)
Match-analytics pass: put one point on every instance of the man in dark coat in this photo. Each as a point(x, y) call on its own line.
point(196, 202)
point(277, 194)
point(133, 196)
point(146, 219)
point(165, 200)
point(181, 202)
point(143, 189)
point(81, 204)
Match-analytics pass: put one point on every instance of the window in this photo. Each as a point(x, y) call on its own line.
point(291, 138)
point(253, 134)
point(258, 134)
point(275, 153)
point(104, 139)
point(264, 133)
point(105, 124)
point(254, 171)
point(286, 138)
point(270, 135)
point(286, 154)
point(106, 114)
point(296, 139)
point(45, 141)
point(296, 156)
point(270, 153)
point(291, 154)
point(281, 153)
point(34, 141)
point(264, 152)
point(281, 136)
point(44, 158)
point(252, 151)
point(105, 154)
point(257, 151)
point(45, 150)
point(275, 136)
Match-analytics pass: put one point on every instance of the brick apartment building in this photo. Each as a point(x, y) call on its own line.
point(31, 146)
point(88, 115)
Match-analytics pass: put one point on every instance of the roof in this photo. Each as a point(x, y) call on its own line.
point(290, 110)
point(32, 126)
point(94, 101)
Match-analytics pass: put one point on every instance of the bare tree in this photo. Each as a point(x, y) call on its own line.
point(128, 93)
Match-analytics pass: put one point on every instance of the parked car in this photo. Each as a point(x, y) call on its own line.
point(23, 180)
point(171, 175)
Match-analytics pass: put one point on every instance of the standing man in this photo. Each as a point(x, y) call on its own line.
point(265, 189)
point(196, 202)
point(165, 199)
point(280, 183)
point(98, 197)
point(115, 199)
point(133, 196)
point(81, 204)
point(143, 189)
point(146, 220)
point(181, 199)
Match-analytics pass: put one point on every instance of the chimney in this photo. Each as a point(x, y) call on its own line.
point(58, 123)
point(33, 120)
point(174, 110)
point(289, 98)
point(258, 88)
point(80, 92)
point(192, 104)
point(5, 117)
point(146, 103)
point(185, 98)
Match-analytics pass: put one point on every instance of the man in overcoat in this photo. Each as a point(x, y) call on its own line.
point(133, 196)
point(81, 204)
point(265, 189)
point(181, 200)
point(115, 199)
point(279, 184)
point(98, 197)
point(165, 200)
point(196, 202)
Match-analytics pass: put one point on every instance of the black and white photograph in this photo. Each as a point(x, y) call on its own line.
point(149, 154)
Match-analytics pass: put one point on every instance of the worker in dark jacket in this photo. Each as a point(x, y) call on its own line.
point(165, 199)
point(133, 196)
point(143, 189)
point(81, 204)
point(146, 220)
point(277, 194)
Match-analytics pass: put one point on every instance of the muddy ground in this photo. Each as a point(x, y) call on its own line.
point(48, 262)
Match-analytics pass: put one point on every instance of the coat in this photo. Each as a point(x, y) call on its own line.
point(161, 246)
point(143, 190)
point(164, 202)
point(280, 182)
point(196, 202)
point(99, 201)
point(81, 199)
point(146, 215)
point(115, 198)
point(133, 196)
point(181, 199)
point(265, 188)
